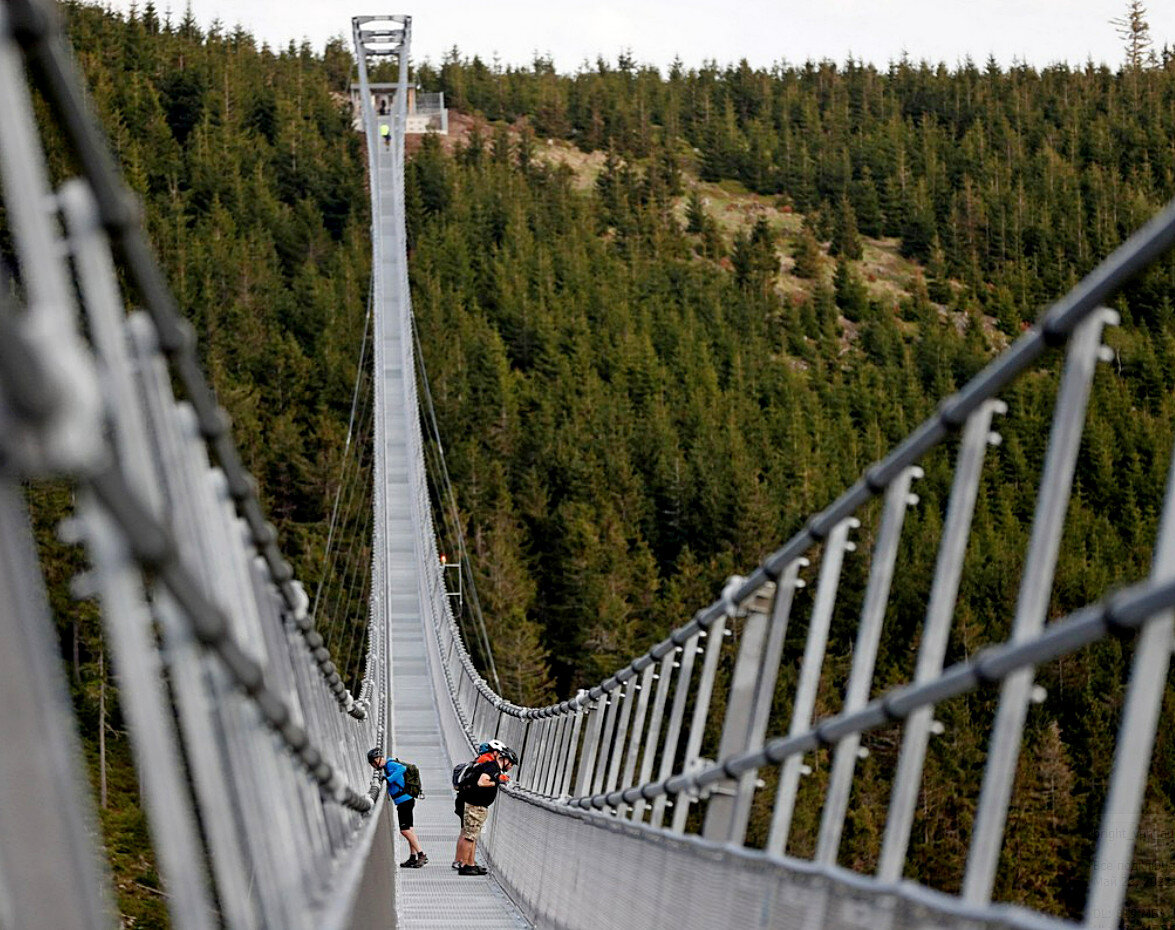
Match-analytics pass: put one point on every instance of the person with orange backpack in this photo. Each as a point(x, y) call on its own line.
point(477, 787)
point(485, 752)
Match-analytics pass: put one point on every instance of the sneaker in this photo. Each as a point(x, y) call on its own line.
point(456, 865)
point(409, 863)
point(471, 870)
point(416, 863)
point(421, 858)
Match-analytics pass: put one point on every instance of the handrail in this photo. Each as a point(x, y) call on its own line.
point(248, 747)
point(36, 28)
point(1121, 615)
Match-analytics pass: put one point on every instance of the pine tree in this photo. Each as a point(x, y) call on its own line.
point(851, 295)
point(867, 204)
point(1037, 859)
point(507, 594)
point(1135, 32)
point(695, 213)
point(937, 283)
point(846, 241)
point(807, 255)
point(917, 229)
point(753, 256)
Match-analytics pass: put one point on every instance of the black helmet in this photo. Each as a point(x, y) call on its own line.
point(374, 755)
point(510, 755)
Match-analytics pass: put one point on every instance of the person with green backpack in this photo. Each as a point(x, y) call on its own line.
point(403, 781)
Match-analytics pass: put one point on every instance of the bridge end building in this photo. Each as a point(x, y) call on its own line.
point(426, 112)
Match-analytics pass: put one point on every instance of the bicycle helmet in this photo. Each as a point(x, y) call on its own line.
point(374, 754)
point(496, 745)
point(510, 755)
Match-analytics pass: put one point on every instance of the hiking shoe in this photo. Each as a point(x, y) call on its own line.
point(471, 870)
point(456, 865)
point(421, 858)
point(409, 863)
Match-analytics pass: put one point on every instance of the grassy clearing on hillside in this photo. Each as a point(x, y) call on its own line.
point(888, 276)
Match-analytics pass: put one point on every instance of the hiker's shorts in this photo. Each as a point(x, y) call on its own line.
point(404, 813)
point(473, 821)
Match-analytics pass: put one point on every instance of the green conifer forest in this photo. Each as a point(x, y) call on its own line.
point(643, 384)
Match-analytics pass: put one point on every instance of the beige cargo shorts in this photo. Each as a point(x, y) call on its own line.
point(473, 821)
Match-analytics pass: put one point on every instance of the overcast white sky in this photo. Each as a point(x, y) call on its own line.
point(762, 31)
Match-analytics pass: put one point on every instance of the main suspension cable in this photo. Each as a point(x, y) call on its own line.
point(346, 448)
point(333, 586)
point(447, 491)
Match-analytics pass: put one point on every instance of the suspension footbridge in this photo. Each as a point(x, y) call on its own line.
point(637, 799)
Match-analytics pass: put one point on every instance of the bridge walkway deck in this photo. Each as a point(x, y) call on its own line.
point(434, 896)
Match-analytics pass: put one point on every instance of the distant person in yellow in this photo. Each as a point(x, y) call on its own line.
point(386, 131)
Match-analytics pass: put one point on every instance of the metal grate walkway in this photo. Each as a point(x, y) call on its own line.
point(435, 896)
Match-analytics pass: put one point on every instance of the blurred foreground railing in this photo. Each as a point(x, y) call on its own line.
point(249, 748)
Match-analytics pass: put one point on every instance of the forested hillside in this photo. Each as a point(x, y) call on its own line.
point(638, 399)
point(639, 395)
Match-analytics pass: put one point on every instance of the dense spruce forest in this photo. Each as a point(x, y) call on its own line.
point(665, 317)
point(638, 400)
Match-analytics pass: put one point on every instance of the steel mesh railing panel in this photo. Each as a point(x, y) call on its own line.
point(249, 747)
point(580, 871)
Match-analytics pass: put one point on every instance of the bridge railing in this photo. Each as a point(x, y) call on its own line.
point(631, 747)
point(249, 748)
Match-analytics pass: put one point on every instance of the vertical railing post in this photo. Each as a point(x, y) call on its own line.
point(512, 732)
point(1132, 756)
point(521, 738)
point(550, 748)
point(805, 702)
point(634, 743)
point(546, 739)
point(1032, 604)
point(537, 763)
point(688, 650)
point(764, 693)
point(615, 699)
point(591, 745)
point(736, 723)
point(714, 639)
point(473, 699)
point(560, 724)
point(45, 829)
point(627, 692)
point(558, 754)
point(948, 570)
point(463, 684)
point(477, 708)
point(568, 767)
point(663, 675)
point(881, 571)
